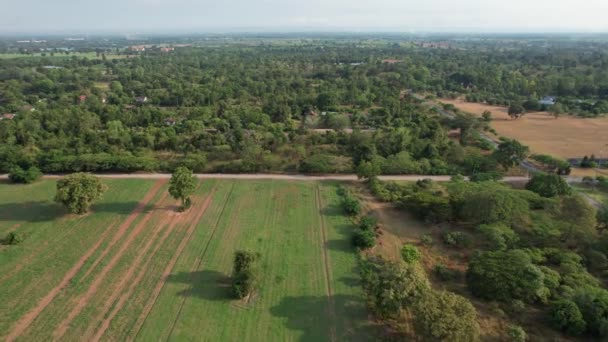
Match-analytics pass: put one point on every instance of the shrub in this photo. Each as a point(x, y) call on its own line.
point(351, 206)
point(368, 223)
point(428, 206)
point(456, 239)
point(426, 240)
point(445, 273)
point(498, 235)
point(516, 333)
point(18, 175)
point(12, 238)
point(243, 276)
point(410, 254)
point(486, 176)
point(567, 317)
point(364, 239)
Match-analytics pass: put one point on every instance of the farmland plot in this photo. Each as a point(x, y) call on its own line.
point(135, 269)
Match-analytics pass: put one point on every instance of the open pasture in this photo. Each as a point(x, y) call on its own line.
point(565, 137)
point(135, 269)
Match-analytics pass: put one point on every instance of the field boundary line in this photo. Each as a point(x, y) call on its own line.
point(82, 300)
point(202, 257)
point(192, 221)
point(326, 264)
point(26, 320)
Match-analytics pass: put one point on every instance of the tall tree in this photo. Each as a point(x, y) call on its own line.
point(510, 153)
point(182, 185)
point(78, 191)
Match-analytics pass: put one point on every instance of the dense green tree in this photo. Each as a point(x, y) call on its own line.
point(548, 185)
point(182, 186)
point(510, 153)
point(504, 276)
point(491, 205)
point(368, 170)
point(567, 317)
point(445, 316)
point(244, 273)
point(78, 191)
point(392, 286)
point(593, 304)
point(364, 239)
point(516, 110)
point(19, 175)
point(578, 219)
point(498, 235)
point(410, 254)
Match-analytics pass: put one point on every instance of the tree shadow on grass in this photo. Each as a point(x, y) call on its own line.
point(42, 211)
point(342, 245)
point(332, 210)
point(310, 315)
point(207, 284)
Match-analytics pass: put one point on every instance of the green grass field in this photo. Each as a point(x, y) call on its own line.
point(134, 269)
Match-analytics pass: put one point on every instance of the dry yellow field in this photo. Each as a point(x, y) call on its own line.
point(565, 137)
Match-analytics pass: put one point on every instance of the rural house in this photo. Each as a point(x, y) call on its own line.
point(547, 101)
point(141, 99)
point(7, 116)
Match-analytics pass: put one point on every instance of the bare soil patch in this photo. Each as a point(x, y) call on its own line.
point(565, 137)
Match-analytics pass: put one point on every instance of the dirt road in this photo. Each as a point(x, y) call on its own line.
point(257, 176)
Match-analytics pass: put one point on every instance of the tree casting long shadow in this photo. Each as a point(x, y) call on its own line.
point(41, 211)
point(207, 284)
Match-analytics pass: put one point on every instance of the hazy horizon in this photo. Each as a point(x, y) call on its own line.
point(238, 16)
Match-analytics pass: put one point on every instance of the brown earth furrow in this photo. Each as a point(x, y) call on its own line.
point(25, 321)
point(169, 221)
point(167, 271)
point(83, 300)
point(327, 265)
point(116, 238)
point(24, 261)
point(147, 198)
point(198, 262)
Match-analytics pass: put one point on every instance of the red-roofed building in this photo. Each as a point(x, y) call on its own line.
point(138, 48)
point(82, 98)
point(7, 116)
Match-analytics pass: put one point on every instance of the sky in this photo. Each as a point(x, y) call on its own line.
point(188, 16)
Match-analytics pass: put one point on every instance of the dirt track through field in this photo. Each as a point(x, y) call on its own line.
point(169, 221)
point(116, 238)
point(194, 268)
point(198, 214)
point(83, 300)
point(327, 264)
point(25, 321)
